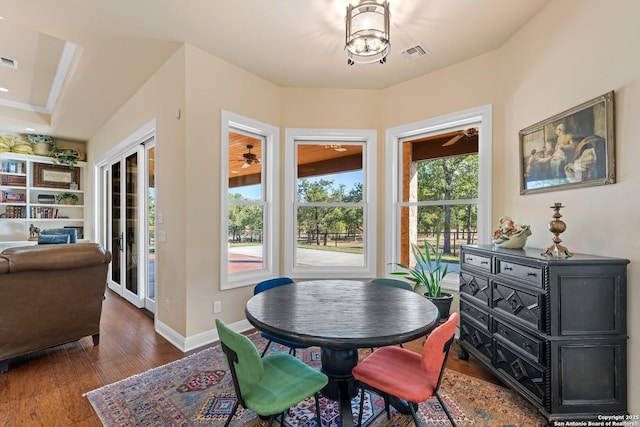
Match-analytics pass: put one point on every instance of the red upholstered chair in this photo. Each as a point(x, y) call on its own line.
point(406, 374)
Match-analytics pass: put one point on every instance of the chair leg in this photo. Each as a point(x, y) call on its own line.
point(233, 412)
point(265, 349)
point(361, 406)
point(386, 406)
point(317, 396)
point(414, 414)
point(446, 410)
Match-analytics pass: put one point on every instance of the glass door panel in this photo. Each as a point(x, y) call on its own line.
point(116, 229)
point(131, 223)
point(150, 301)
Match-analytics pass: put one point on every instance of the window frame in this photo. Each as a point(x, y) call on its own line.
point(368, 140)
point(270, 185)
point(480, 117)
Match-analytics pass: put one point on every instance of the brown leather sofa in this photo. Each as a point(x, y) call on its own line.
point(50, 295)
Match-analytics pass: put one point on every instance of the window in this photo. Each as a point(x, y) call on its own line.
point(249, 209)
point(330, 203)
point(439, 175)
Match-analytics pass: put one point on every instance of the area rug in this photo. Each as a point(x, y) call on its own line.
point(198, 391)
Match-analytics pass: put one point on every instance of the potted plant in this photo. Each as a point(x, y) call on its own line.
point(429, 272)
point(67, 198)
point(41, 144)
point(64, 156)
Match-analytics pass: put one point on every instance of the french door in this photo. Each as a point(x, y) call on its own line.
point(128, 222)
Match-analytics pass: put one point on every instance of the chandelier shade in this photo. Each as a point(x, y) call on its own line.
point(367, 32)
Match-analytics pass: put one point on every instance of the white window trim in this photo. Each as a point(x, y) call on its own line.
point(369, 140)
point(271, 134)
point(480, 117)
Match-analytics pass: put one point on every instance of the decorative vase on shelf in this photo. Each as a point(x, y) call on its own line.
point(41, 144)
point(510, 235)
point(41, 148)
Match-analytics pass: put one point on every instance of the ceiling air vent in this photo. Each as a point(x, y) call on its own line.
point(414, 52)
point(7, 62)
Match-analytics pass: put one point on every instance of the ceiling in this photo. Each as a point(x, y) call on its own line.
point(78, 61)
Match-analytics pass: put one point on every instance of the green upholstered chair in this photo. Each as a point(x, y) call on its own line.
point(393, 282)
point(271, 385)
point(410, 376)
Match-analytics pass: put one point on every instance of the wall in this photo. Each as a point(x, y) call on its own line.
point(573, 51)
point(159, 99)
point(214, 85)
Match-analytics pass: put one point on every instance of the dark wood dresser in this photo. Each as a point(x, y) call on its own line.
point(553, 329)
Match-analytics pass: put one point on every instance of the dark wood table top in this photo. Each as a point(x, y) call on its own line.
point(342, 314)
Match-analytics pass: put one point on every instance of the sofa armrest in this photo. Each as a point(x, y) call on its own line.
point(54, 257)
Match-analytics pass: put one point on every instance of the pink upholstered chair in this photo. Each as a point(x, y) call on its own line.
point(406, 374)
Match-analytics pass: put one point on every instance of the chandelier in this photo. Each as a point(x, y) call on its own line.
point(367, 32)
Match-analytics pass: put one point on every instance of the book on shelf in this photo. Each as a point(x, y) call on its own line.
point(15, 211)
point(38, 212)
point(15, 180)
point(7, 196)
point(13, 167)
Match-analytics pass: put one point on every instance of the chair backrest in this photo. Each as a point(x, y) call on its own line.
point(271, 283)
point(396, 283)
point(71, 232)
point(436, 348)
point(243, 359)
point(46, 239)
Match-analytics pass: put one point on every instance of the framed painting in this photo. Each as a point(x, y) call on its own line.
point(572, 149)
point(55, 176)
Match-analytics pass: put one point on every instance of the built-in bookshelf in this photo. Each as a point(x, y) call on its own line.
point(31, 188)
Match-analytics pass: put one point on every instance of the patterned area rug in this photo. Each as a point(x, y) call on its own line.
point(198, 391)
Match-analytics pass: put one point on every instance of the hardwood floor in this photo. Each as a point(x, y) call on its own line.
point(46, 388)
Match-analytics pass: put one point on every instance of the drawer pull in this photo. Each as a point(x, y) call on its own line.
point(470, 258)
point(484, 262)
point(526, 346)
point(532, 274)
point(507, 268)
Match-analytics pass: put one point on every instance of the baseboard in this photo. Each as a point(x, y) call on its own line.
point(202, 339)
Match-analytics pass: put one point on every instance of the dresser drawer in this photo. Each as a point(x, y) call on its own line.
point(476, 287)
point(476, 340)
point(531, 345)
point(533, 275)
point(527, 375)
point(477, 261)
point(527, 307)
point(468, 311)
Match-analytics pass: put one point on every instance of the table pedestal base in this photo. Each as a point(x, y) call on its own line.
point(337, 365)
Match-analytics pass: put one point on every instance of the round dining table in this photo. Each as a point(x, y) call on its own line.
point(341, 316)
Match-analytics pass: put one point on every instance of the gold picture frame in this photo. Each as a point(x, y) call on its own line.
point(573, 149)
point(55, 176)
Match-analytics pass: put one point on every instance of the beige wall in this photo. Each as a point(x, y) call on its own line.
point(159, 99)
point(214, 85)
point(574, 50)
point(571, 52)
point(549, 67)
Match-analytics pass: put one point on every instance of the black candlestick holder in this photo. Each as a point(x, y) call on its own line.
point(557, 226)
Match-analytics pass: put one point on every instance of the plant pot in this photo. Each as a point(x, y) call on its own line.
point(443, 303)
point(41, 148)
